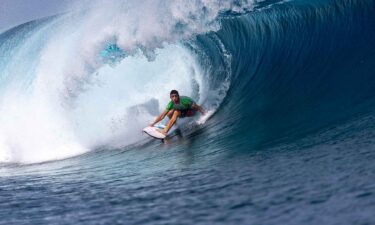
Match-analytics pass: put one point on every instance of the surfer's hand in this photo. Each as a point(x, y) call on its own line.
point(151, 124)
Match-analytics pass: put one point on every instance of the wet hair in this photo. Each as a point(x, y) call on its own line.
point(174, 92)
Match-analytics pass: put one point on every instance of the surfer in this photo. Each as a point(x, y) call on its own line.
point(178, 107)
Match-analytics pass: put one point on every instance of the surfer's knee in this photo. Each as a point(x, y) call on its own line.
point(170, 113)
point(176, 114)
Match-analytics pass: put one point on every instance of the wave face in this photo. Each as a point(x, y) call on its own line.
point(289, 86)
point(299, 67)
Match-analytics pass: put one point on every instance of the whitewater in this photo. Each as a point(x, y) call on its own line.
point(289, 87)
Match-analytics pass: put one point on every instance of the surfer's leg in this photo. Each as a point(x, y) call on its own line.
point(175, 115)
point(170, 113)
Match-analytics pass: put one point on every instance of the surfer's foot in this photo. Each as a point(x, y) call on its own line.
point(162, 131)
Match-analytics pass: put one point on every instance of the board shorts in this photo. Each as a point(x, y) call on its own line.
point(187, 113)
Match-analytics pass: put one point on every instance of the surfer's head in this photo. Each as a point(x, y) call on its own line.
point(174, 96)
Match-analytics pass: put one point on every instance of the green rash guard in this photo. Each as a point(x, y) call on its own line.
point(185, 104)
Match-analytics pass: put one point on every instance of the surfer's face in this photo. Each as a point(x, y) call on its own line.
point(174, 97)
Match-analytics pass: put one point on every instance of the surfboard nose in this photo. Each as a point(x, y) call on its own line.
point(153, 132)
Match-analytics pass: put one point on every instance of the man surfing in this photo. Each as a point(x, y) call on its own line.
point(179, 106)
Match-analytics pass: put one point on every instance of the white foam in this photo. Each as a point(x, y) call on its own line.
point(202, 119)
point(118, 100)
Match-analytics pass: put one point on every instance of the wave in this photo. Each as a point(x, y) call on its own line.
point(270, 70)
point(61, 97)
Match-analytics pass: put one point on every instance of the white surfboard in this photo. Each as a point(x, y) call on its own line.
point(152, 131)
point(186, 125)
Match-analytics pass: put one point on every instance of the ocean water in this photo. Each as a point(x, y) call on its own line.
point(290, 136)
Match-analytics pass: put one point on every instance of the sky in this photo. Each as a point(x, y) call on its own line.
point(15, 12)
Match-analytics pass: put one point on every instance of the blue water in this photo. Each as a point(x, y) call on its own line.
point(290, 86)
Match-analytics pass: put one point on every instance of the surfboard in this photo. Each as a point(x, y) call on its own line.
point(181, 125)
point(152, 131)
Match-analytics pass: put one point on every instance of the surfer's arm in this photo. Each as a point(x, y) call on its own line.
point(198, 108)
point(159, 118)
